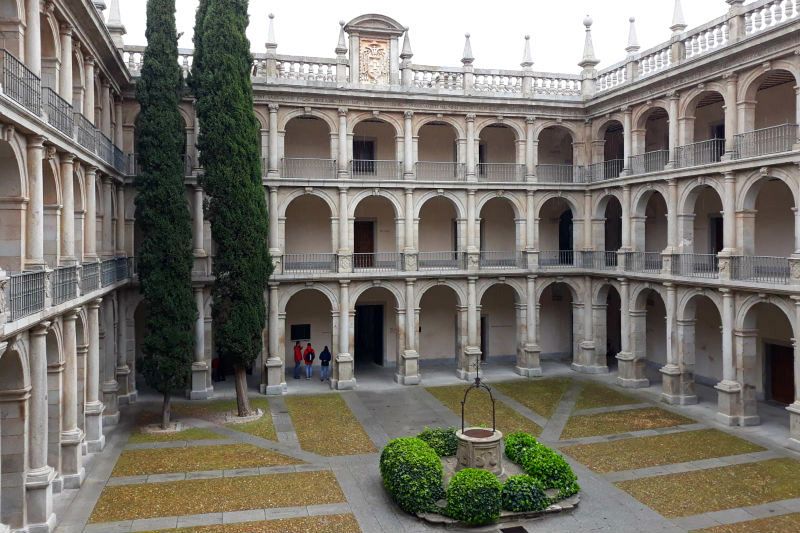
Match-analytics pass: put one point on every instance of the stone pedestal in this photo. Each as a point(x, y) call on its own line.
point(111, 410)
point(39, 499)
point(677, 386)
point(275, 385)
point(408, 371)
point(729, 405)
point(200, 388)
point(345, 380)
point(530, 365)
point(480, 448)
point(72, 471)
point(631, 372)
point(95, 440)
point(794, 425)
point(123, 395)
point(469, 369)
point(586, 361)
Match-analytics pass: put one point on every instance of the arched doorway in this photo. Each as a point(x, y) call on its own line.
point(649, 227)
point(607, 320)
point(309, 319)
point(12, 210)
point(375, 151)
point(648, 336)
point(500, 320)
point(498, 234)
point(376, 329)
point(440, 327)
point(557, 338)
point(375, 235)
point(497, 155)
point(651, 142)
point(613, 152)
point(700, 343)
point(15, 389)
point(556, 233)
point(703, 131)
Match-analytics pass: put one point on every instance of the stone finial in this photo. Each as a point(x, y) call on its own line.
point(114, 24)
point(341, 46)
point(633, 39)
point(468, 58)
point(589, 61)
point(527, 59)
point(406, 53)
point(272, 44)
point(678, 20)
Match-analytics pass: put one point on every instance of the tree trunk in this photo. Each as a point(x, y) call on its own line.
point(165, 411)
point(242, 401)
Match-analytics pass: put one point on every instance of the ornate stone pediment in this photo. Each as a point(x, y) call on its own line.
point(374, 25)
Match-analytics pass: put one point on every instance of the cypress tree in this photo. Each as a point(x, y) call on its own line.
point(237, 210)
point(162, 212)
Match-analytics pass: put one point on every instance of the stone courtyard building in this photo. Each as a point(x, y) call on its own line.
point(641, 219)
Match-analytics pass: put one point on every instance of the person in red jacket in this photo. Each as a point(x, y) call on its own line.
point(308, 356)
point(298, 359)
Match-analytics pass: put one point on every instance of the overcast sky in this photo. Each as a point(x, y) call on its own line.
point(437, 27)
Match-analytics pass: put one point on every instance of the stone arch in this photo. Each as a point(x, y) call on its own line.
point(370, 193)
point(558, 230)
point(287, 294)
point(689, 193)
point(424, 286)
point(15, 389)
point(386, 118)
point(568, 126)
point(559, 319)
point(188, 118)
point(643, 195)
point(451, 196)
point(747, 189)
point(359, 288)
point(15, 374)
point(642, 113)
point(600, 290)
point(692, 97)
point(601, 202)
point(261, 116)
point(640, 289)
point(751, 82)
point(50, 48)
point(13, 200)
point(744, 319)
point(575, 288)
point(607, 308)
point(517, 285)
point(333, 126)
point(320, 193)
point(450, 121)
point(511, 199)
point(55, 351)
point(686, 301)
point(574, 205)
point(516, 128)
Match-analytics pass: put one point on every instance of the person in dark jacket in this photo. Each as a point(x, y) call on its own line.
point(325, 365)
point(308, 356)
point(298, 359)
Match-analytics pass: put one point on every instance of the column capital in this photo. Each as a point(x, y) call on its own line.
point(673, 95)
point(70, 315)
point(530, 120)
point(199, 188)
point(730, 77)
point(408, 114)
point(88, 60)
point(40, 329)
point(36, 141)
point(67, 157)
point(95, 304)
point(532, 277)
point(410, 281)
point(470, 117)
point(342, 111)
point(725, 292)
point(273, 108)
point(91, 170)
point(344, 283)
point(65, 29)
point(628, 110)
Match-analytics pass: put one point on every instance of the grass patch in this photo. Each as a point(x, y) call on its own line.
point(593, 396)
point(197, 458)
point(540, 396)
point(716, 489)
point(326, 426)
point(186, 434)
point(772, 524)
point(478, 410)
point(621, 422)
point(644, 452)
point(215, 410)
point(340, 523)
point(219, 495)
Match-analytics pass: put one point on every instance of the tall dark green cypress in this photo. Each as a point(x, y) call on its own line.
point(162, 212)
point(230, 155)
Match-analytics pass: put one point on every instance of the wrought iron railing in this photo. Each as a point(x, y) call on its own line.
point(383, 170)
point(560, 174)
point(760, 268)
point(310, 262)
point(643, 261)
point(440, 171)
point(695, 265)
point(90, 277)
point(596, 260)
point(120, 161)
point(85, 132)
point(495, 259)
point(26, 294)
point(308, 168)
point(501, 172)
point(655, 161)
point(109, 272)
point(21, 84)
point(59, 112)
point(105, 148)
point(556, 259)
point(700, 153)
point(65, 284)
point(122, 270)
point(606, 170)
point(772, 140)
point(378, 261)
point(442, 260)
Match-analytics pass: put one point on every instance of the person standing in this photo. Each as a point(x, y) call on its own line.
point(298, 359)
point(325, 365)
point(308, 356)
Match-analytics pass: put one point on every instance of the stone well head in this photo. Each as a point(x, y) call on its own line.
point(479, 447)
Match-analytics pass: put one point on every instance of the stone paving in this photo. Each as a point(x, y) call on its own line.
point(386, 411)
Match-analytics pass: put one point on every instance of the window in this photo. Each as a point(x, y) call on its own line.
point(301, 332)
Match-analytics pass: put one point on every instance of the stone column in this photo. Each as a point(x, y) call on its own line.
point(729, 215)
point(72, 470)
point(122, 369)
point(197, 223)
point(68, 211)
point(40, 475)
point(90, 219)
point(276, 384)
point(728, 390)
point(110, 387)
point(471, 176)
point(531, 365)
point(408, 227)
point(673, 129)
point(672, 376)
point(121, 248)
point(530, 152)
point(472, 352)
point(589, 360)
point(408, 146)
point(343, 152)
point(34, 245)
point(33, 37)
point(627, 126)
point(119, 140)
point(672, 217)
point(65, 80)
point(626, 218)
point(625, 355)
point(731, 115)
point(200, 382)
point(794, 408)
point(345, 252)
point(273, 163)
point(88, 95)
point(473, 246)
point(106, 103)
point(106, 246)
point(344, 359)
point(408, 369)
point(94, 407)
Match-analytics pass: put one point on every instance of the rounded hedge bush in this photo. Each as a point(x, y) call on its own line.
point(474, 497)
point(517, 443)
point(523, 494)
point(443, 440)
point(412, 474)
point(550, 470)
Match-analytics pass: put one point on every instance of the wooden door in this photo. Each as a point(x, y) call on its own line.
point(364, 243)
point(780, 373)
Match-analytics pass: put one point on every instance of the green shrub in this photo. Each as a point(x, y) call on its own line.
point(517, 443)
point(522, 494)
point(474, 497)
point(443, 440)
point(412, 474)
point(550, 470)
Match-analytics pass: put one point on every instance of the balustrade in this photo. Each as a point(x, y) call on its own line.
point(20, 84)
point(308, 168)
point(90, 277)
point(706, 39)
point(556, 259)
point(695, 265)
point(650, 262)
point(86, 133)
point(772, 140)
point(700, 153)
point(423, 77)
point(560, 174)
point(59, 112)
point(314, 69)
point(378, 261)
point(108, 272)
point(760, 269)
point(761, 16)
point(606, 170)
point(655, 161)
point(384, 170)
point(440, 171)
point(307, 263)
point(501, 172)
point(494, 259)
point(26, 294)
point(442, 261)
point(65, 284)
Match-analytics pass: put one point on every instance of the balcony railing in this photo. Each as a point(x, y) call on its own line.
point(643, 261)
point(308, 168)
point(65, 284)
point(85, 132)
point(501, 172)
point(773, 140)
point(700, 153)
point(760, 268)
point(695, 265)
point(606, 170)
point(105, 148)
point(599, 260)
point(382, 170)
point(556, 259)
point(440, 171)
point(109, 271)
point(59, 112)
point(310, 263)
point(120, 161)
point(560, 174)
point(378, 261)
point(493, 259)
point(442, 261)
point(26, 294)
point(122, 267)
point(655, 161)
point(20, 84)
point(90, 277)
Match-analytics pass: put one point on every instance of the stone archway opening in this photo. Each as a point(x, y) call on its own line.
point(497, 154)
point(13, 442)
point(557, 321)
point(439, 235)
point(442, 324)
point(308, 241)
point(438, 153)
point(375, 235)
point(556, 233)
point(501, 319)
point(651, 142)
point(374, 150)
point(556, 156)
point(498, 234)
point(309, 319)
point(307, 148)
point(376, 329)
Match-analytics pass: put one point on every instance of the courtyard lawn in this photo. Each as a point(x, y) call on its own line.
point(342, 523)
point(479, 410)
point(197, 459)
point(215, 411)
point(187, 434)
point(644, 452)
point(621, 422)
point(540, 396)
point(772, 524)
point(716, 489)
point(593, 395)
point(218, 495)
point(325, 425)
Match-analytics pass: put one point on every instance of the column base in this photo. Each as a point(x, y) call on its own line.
point(528, 372)
point(275, 385)
point(273, 390)
point(39, 499)
point(345, 380)
point(466, 375)
point(343, 384)
point(589, 369)
point(407, 380)
point(95, 440)
point(110, 419)
point(408, 371)
point(630, 372)
point(729, 404)
point(530, 365)
point(676, 388)
point(200, 389)
point(73, 472)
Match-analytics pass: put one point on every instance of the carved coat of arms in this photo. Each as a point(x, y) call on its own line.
point(374, 62)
